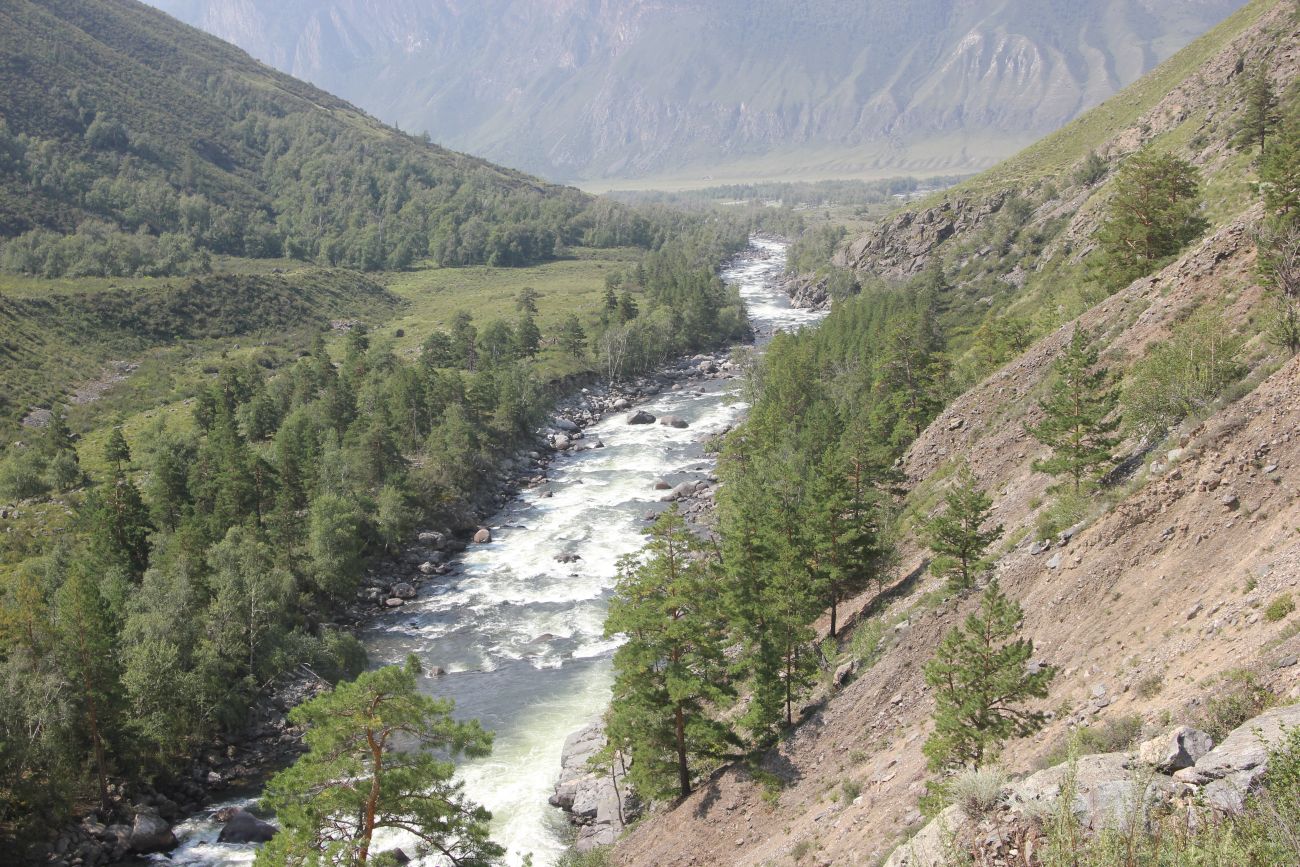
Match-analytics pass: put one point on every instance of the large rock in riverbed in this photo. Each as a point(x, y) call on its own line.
point(150, 833)
point(244, 827)
point(598, 803)
point(483, 536)
point(640, 417)
point(674, 421)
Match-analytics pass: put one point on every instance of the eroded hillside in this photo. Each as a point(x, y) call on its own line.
point(1157, 599)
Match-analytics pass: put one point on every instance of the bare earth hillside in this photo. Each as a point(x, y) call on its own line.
point(1144, 607)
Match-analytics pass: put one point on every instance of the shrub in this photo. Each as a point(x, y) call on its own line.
point(851, 789)
point(978, 792)
point(1183, 375)
point(22, 474)
point(1239, 698)
point(1149, 687)
point(1279, 608)
point(866, 645)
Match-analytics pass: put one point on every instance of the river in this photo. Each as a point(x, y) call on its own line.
point(519, 634)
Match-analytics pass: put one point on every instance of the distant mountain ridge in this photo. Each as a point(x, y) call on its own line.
point(599, 89)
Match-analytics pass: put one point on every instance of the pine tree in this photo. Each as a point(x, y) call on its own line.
point(979, 678)
point(116, 451)
point(378, 757)
point(526, 301)
point(1279, 172)
point(572, 336)
point(1279, 267)
point(1259, 113)
point(86, 648)
point(846, 546)
point(1154, 213)
point(528, 339)
point(118, 524)
point(669, 676)
point(956, 536)
point(1078, 415)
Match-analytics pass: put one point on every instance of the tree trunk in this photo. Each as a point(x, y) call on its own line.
point(683, 772)
point(372, 802)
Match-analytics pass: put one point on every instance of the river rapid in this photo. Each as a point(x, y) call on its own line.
point(520, 634)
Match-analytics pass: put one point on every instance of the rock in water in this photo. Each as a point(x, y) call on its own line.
point(483, 535)
point(244, 827)
point(674, 421)
point(150, 833)
point(640, 417)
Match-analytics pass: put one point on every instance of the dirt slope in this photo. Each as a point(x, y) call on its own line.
point(1143, 609)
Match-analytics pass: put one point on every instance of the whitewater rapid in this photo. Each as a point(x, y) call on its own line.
point(520, 634)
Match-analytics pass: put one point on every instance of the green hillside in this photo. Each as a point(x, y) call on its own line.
point(131, 144)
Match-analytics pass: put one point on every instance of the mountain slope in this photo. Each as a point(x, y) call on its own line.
point(113, 113)
point(584, 89)
point(1156, 605)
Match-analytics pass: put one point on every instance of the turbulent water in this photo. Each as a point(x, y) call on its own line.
point(520, 634)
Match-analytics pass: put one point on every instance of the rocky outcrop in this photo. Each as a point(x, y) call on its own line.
point(600, 803)
point(901, 247)
point(1111, 790)
point(807, 292)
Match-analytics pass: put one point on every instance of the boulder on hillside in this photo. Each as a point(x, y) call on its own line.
point(1177, 749)
point(640, 417)
point(1233, 769)
point(244, 827)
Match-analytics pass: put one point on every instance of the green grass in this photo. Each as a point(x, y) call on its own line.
point(432, 296)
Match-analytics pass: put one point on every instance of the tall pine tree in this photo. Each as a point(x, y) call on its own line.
point(1079, 415)
point(980, 679)
point(670, 674)
point(957, 535)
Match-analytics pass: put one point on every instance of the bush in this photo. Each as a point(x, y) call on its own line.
point(1238, 699)
point(22, 474)
point(1183, 375)
point(1279, 608)
point(978, 792)
point(598, 857)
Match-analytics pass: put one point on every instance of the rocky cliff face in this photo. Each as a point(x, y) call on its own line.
point(617, 89)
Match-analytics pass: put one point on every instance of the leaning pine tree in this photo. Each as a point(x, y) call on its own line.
point(670, 674)
point(378, 756)
point(980, 678)
point(1079, 416)
point(957, 535)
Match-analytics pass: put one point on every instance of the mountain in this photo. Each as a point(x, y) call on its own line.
point(606, 90)
point(131, 143)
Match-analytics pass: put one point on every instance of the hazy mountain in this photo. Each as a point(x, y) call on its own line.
point(625, 88)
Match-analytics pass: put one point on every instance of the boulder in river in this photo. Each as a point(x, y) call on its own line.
point(483, 535)
point(150, 833)
point(404, 590)
point(244, 827)
point(640, 417)
point(674, 421)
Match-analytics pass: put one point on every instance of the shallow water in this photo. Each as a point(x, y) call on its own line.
point(520, 634)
